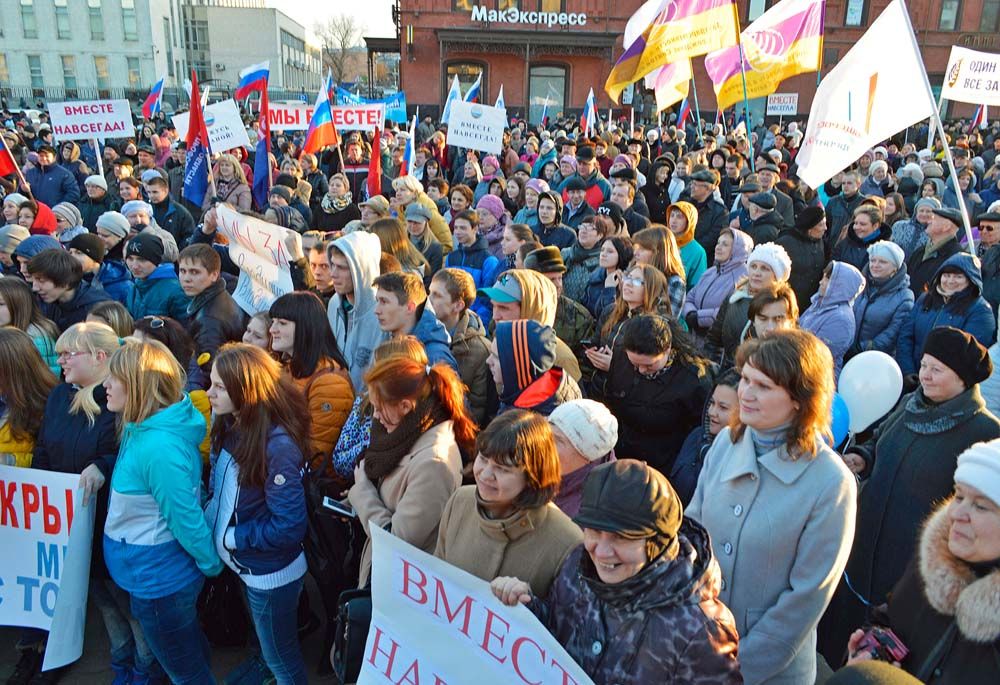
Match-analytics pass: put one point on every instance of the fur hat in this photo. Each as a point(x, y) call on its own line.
point(961, 353)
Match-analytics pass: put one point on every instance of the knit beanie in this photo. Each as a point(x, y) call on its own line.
point(588, 425)
point(624, 159)
point(491, 204)
point(526, 349)
point(961, 353)
point(809, 217)
point(282, 192)
point(886, 249)
point(538, 185)
point(34, 244)
point(137, 206)
point(774, 256)
point(114, 223)
point(931, 202)
point(911, 170)
point(96, 180)
point(89, 244)
point(569, 159)
point(69, 213)
point(147, 246)
point(492, 161)
point(11, 236)
point(979, 466)
point(16, 198)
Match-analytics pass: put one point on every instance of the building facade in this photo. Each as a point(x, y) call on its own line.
point(554, 51)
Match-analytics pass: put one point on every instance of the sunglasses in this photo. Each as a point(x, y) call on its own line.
point(154, 321)
point(633, 281)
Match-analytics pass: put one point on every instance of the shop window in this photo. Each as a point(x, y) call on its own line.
point(546, 83)
point(467, 73)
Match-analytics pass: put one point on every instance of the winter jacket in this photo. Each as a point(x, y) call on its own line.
point(718, 282)
point(330, 397)
point(598, 189)
point(46, 347)
point(784, 207)
point(792, 517)
point(573, 219)
point(765, 228)
point(666, 624)
point(657, 196)
point(355, 326)
point(470, 348)
point(156, 541)
point(570, 494)
point(430, 248)
point(910, 235)
point(654, 414)
point(264, 527)
point(598, 296)
point(854, 250)
point(175, 220)
point(635, 221)
point(74, 165)
point(528, 216)
point(215, 319)
point(990, 268)
point(551, 389)
point(159, 294)
point(712, 218)
point(573, 322)
point(114, 278)
point(91, 209)
point(880, 312)
point(729, 328)
point(692, 253)
point(439, 227)
point(967, 311)
point(234, 193)
point(531, 544)
point(560, 235)
point(830, 317)
point(434, 336)
point(580, 264)
point(840, 213)
point(52, 184)
point(910, 461)
point(410, 500)
point(65, 314)
point(808, 257)
point(484, 268)
point(922, 269)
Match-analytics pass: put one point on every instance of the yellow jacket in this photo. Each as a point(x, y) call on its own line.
point(199, 399)
point(20, 449)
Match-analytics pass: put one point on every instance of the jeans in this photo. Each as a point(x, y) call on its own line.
point(128, 645)
point(275, 619)
point(171, 627)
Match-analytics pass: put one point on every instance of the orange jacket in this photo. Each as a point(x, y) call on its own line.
point(330, 397)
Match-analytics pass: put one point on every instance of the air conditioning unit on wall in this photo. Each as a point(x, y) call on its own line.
point(219, 66)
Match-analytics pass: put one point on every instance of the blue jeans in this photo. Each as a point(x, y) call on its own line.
point(275, 618)
point(128, 645)
point(171, 627)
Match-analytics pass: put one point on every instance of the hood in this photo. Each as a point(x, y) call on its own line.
point(430, 330)
point(469, 326)
point(363, 251)
point(846, 283)
point(163, 271)
point(968, 264)
point(538, 296)
point(45, 221)
point(742, 247)
point(691, 214)
point(180, 419)
point(74, 155)
point(526, 350)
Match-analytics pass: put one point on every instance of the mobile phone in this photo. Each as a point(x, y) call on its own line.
point(342, 508)
point(588, 342)
point(883, 644)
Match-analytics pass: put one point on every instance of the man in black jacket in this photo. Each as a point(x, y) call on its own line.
point(806, 248)
point(768, 176)
point(169, 215)
point(213, 315)
point(941, 244)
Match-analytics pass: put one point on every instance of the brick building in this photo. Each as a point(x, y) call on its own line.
point(558, 49)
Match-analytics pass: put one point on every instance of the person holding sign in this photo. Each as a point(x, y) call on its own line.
point(638, 601)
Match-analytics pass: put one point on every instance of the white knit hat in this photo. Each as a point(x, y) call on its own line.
point(979, 466)
point(588, 425)
point(96, 180)
point(774, 256)
point(886, 249)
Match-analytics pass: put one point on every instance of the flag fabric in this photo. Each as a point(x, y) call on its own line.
point(500, 104)
point(7, 164)
point(589, 116)
point(196, 166)
point(375, 166)
point(151, 106)
point(321, 132)
point(454, 93)
point(670, 83)
point(473, 94)
point(683, 113)
point(662, 32)
point(409, 153)
point(262, 156)
point(252, 79)
point(979, 119)
point(784, 41)
point(866, 98)
point(545, 113)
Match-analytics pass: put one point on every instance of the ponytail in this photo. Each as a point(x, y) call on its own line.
point(450, 392)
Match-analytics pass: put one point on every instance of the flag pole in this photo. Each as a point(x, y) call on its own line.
point(746, 99)
point(97, 153)
point(936, 123)
point(697, 110)
point(20, 175)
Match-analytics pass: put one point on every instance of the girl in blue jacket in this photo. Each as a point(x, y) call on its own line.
point(157, 545)
point(257, 510)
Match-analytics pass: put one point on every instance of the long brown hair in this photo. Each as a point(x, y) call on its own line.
point(799, 362)
point(656, 298)
point(401, 378)
point(666, 254)
point(24, 309)
point(25, 382)
point(263, 397)
point(392, 235)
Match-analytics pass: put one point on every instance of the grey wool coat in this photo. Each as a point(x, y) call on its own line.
point(781, 530)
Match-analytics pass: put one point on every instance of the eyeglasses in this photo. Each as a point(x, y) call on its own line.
point(989, 229)
point(633, 281)
point(154, 321)
point(69, 355)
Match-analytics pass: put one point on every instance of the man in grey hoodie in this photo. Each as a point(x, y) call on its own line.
point(354, 266)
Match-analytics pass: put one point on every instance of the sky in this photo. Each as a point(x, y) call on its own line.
point(374, 15)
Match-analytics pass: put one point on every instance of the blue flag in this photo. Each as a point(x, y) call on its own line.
point(261, 184)
point(196, 174)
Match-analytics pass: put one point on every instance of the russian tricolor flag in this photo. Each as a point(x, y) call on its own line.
point(473, 94)
point(321, 130)
point(252, 79)
point(151, 106)
point(587, 119)
point(683, 113)
point(979, 119)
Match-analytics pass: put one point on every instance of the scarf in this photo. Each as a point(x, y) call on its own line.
point(925, 417)
point(387, 450)
point(765, 441)
point(332, 204)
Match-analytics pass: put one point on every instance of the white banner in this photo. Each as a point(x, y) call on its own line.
point(258, 248)
point(434, 623)
point(782, 104)
point(476, 127)
point(972, 76)
point(225, 126)
point(45, 535)
point(295, 117)
point(91, 119)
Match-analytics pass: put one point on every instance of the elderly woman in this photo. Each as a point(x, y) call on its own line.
point(779, 505)
point(717, 283)
point(944, 607)
point(582, 258)
point(506, 523)
point(884, 305)
point(337, 208)
point(585, 433)
point(908, 464)
point(909, 233)
point(639, 601)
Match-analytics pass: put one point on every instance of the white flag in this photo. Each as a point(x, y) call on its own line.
point(866, 98)
point(454, 93)
point(500, 104)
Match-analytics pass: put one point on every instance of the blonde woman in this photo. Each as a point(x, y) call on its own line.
point(113, 314)
point(230, 184)
point(157, 545)
point(337, 208)
point(657, 247)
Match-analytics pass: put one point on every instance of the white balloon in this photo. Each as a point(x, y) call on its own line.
point(871, 384)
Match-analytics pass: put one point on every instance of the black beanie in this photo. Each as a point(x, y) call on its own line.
point(148, 246)
point(961, 353)
point(286, 180)
point(809, 217)
point(89, 244)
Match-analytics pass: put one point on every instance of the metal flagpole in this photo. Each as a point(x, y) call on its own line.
point(97, 152)
point(746, 99)
point(697, 110)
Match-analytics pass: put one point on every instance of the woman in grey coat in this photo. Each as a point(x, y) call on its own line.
point(779, 506)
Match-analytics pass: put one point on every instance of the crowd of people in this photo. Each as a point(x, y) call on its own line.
point(595, 371)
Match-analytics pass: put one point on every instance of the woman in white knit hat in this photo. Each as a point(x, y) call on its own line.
point(585, 434)
point(946, 608)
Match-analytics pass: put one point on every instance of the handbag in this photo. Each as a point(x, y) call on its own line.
point(354, 618)
point(222, 611)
